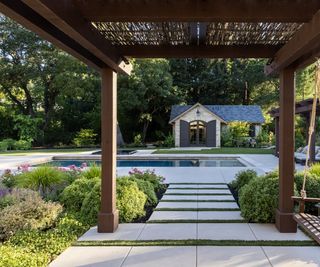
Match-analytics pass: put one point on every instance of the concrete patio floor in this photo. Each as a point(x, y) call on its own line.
point(200, 256)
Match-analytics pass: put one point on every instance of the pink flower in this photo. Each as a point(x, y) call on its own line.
point(84, 165)
point(24, 167)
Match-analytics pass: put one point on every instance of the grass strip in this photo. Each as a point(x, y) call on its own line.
point(195, 188)
point(195, 200)
point(198, 194)
point(200, 183)
point(194, 242)
point(197, 209)
point(197, 221)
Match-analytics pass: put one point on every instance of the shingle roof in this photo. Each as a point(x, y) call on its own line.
point(228, 113)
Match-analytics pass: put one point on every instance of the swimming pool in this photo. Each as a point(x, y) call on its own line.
point(223, 162)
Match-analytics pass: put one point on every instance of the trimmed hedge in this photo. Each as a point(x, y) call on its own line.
point(242, 178)
point(259, 199)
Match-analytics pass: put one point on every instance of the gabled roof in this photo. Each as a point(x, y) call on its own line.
point(249, 113)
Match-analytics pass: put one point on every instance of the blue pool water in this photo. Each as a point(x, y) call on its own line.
point(157, 163)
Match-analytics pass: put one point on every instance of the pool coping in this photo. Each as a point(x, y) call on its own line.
point(162, 157)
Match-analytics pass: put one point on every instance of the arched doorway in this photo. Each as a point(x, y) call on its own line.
point(197, 133)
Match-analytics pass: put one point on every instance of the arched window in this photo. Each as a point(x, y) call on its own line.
point(197, 133)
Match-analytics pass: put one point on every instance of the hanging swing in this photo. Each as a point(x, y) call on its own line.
point(310, 223)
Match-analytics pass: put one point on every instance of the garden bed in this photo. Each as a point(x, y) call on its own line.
point(45, 209)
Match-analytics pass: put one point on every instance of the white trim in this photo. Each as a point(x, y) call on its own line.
point(194, 106)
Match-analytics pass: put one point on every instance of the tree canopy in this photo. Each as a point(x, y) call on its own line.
point(47, 96)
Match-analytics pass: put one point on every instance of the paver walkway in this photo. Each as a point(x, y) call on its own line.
point(203, 202)
point(195, 216)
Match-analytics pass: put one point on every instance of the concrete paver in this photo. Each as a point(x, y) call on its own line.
point(231, 257)
point(161, 256)
point(92, 256)
point(293, 256)
point(173, 231)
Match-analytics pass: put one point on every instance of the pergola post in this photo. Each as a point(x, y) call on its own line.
point(276, 129)
point(108, 215)
point(284, 214)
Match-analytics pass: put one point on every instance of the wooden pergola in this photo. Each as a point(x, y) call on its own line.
point(304, 109)
point(106, 34)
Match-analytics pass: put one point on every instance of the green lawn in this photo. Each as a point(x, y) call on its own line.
point(223, 150)
point(34, 151)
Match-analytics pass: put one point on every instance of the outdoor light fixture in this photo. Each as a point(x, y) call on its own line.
point(198, 112)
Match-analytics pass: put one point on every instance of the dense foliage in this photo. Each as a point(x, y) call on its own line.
point(242, 178)
point(312, 186)
point(49, 98)
point(259, 198)
point(34, 230)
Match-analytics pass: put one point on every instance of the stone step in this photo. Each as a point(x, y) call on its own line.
point(194, 197)
point(197, 191)
point(201, 205)
point(195, 215)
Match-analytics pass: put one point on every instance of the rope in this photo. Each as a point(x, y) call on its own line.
point(316, 96)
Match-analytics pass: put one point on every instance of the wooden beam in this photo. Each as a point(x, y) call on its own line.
point(27, 17)
point(201, 51)
point(64, 15)
point(303, 46)
point(199, 10)
point(108, 217)
point(284, 213)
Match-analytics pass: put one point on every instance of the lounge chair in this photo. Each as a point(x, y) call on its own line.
point(301, 154)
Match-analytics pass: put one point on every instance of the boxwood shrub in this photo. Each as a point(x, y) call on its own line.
point(242, 178)
point(259, 198)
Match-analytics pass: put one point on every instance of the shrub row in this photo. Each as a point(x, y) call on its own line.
point(258, 195)
point(10, 144)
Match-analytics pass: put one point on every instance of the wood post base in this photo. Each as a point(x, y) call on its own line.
point(108, 222)
point(285, 222)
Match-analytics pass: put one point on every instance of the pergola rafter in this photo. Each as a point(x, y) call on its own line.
point(105, 34)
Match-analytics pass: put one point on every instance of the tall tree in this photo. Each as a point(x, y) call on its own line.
point(146, 92)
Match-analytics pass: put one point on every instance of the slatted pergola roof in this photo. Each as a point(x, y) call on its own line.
point(109, 32)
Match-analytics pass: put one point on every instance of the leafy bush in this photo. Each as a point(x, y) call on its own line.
point(242, 178)
point(85, 137)
point(259, 199)
point(22, 144)
point(30, 214)
point(312, 186)
point(43, 179)
point(239, 130)
point(16, 195)
point(150, 176)
point(137, 140)
point(315, 170)
point(92, 172)
point(43, 246)
point(169, 141)
point(91, 205)
point(148, 189)
point(21, 256)
point(130, 200)
point(8, 179)
point(10, 143)
point(73, 195)
point(226, 137)
point(4, 146)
